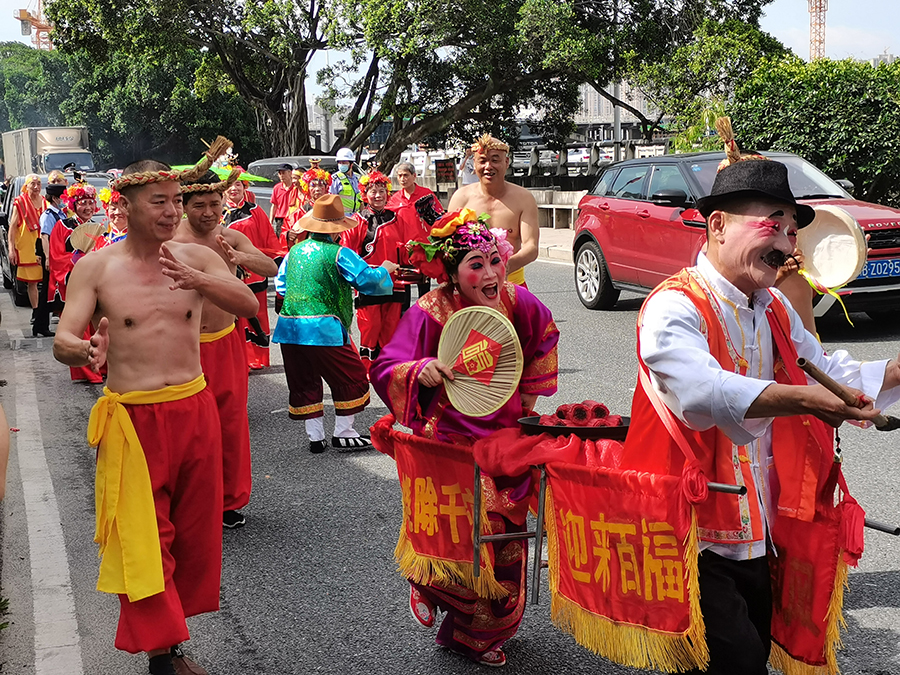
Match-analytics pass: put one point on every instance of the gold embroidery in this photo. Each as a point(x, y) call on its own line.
point(355, 403)
point(306, 409)
point(398, 388)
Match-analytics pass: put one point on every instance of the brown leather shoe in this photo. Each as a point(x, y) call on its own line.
point(185, 666)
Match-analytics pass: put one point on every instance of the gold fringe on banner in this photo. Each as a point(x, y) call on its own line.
point(426, 570)
point(788, 665)
point(628, 644)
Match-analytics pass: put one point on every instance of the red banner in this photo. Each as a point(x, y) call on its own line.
point(623, 566)
point(437, 482)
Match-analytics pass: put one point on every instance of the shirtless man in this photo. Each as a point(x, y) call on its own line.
point(511, 207)
point(159, 463)
point(222, 352)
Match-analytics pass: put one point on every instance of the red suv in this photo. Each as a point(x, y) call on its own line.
point(639, 225)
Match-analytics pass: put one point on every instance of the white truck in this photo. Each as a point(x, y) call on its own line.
point(43, 149)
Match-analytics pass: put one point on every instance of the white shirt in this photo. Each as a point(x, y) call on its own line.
point(689, 380)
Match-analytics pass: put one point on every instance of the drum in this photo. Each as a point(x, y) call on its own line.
point(834, 247)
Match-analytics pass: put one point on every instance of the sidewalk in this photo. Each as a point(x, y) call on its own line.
point(556, 244)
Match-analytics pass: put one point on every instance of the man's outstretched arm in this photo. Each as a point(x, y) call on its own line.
point(212, 279)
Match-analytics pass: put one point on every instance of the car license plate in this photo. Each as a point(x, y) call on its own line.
point(876, 269)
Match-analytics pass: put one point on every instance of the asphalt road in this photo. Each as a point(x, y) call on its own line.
point(310, 585)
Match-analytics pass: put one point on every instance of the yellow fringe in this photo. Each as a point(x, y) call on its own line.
point(426, 570)
point(781, 660)
point(628, 644)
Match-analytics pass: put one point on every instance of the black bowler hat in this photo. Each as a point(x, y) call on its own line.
point(55, 190)
point(754, 178)
point(285, 167)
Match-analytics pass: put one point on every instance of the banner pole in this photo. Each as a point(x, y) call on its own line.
point(538, 540)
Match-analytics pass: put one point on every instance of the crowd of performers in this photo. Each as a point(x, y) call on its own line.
point(171, 304)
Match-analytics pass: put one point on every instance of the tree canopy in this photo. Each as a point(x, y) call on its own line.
point(843, 116)
point(431, 68)
point(132, 108)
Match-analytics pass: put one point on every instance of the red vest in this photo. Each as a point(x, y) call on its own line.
point(802, 446)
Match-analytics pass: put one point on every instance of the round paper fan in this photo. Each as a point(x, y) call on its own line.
point(84, 237)
point(482, 349)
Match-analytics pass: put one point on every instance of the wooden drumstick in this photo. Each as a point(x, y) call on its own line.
point(840, 391)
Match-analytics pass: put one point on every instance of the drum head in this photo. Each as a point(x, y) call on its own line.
point(480, 345)
point(834, 247)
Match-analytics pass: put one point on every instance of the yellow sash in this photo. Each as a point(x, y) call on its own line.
point(126, 514)
point(517, 277)
point(218, 335)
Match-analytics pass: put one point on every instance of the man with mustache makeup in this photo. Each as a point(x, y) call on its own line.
point(717, 350)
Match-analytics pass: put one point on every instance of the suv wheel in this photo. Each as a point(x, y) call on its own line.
point(592, 282)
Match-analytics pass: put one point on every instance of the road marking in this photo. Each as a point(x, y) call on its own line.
point(57, 649)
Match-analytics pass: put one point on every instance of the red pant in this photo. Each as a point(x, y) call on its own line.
point(257, 356)
point(225, 367)
point(377, 324)
point(305, 366)
point(183, 445)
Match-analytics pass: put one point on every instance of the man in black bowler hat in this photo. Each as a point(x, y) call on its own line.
point(720, 395)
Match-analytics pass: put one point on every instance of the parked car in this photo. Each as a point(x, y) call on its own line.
point(20, 297)
point(639, 225)
point(268, 168)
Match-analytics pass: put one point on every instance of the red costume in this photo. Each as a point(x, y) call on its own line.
point(224, 361)
point(379, 237)
point(182, 445)
point(251, 220)
point(399, 201)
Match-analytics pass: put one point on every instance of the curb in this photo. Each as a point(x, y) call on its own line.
point(555, 252)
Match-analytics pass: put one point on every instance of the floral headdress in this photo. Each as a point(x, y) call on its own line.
point(317, 174)
point(373, 178)
point(451, 238)
point(78, 191)
point(108, 197)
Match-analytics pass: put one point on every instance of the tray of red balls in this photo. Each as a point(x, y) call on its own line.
point(588, 420)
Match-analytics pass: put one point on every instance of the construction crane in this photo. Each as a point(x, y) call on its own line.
point(35, 25)
point(817, 9)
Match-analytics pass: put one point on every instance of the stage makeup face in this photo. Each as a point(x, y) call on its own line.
point(752, 240)
point(479, 277)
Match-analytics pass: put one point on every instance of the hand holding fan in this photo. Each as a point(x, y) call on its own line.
point(86, 236)
point(482, 349)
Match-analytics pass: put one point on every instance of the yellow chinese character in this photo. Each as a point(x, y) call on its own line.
point(454, 510)
point(426, 506)
point(669, 574)
point(406, 487)
point(576, 544)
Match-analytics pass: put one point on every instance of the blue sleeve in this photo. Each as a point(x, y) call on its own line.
point(335, 188)
point(279, 278)
point(47, 222)
point(367, 280)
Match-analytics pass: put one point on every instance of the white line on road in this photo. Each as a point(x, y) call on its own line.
point(57, 650)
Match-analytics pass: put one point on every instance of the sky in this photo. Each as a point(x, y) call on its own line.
point(860, 29)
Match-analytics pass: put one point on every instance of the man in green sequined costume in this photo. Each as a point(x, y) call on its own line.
point(316, 279)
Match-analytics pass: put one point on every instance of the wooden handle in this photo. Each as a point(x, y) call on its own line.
point(836, 388)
